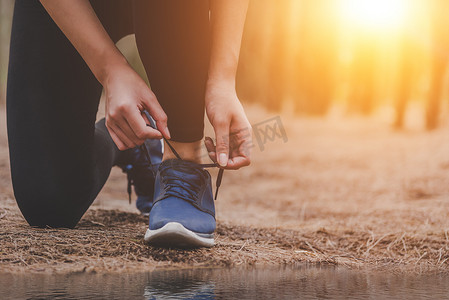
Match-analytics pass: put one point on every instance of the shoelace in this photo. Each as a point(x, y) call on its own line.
point(130, 181)
point(212, 165)
point(129, 169)
point(144, 149)
point(180, 186)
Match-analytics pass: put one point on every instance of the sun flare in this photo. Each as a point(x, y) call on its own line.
point(374, 14)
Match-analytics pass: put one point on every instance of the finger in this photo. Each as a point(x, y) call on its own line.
point(210, 149)
point(241, 148)
point(157, 113)
point(145, 118)
point(123, 137)
point(116, 121)
point(213, 156)
point(139, 127)
point(120, 145)
point(124, 125)
point(149, 124)
point(222, 146)
point(238, 162)
point(209, 143)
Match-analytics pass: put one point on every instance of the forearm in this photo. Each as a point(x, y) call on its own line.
point(78, 21)
point(227, 18)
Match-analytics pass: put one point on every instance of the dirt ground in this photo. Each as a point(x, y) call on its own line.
point(348, 192)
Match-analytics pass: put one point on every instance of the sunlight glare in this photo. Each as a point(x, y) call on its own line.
point(374, 14)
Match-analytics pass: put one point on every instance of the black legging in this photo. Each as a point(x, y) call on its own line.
point(60, 159)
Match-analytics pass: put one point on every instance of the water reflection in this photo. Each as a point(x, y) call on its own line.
point(181, 284)
point(300, 282)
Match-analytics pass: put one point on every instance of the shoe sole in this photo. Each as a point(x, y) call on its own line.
point(175, 235)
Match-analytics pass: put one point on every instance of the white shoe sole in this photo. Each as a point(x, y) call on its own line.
point(175, 235)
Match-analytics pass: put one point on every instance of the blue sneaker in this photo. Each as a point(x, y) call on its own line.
point(183, 210)
point(141, 172)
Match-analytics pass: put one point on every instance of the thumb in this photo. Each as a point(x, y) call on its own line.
point(157, 113)
point(222, 145)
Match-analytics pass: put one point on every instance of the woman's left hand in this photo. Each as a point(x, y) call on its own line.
point(232, 129)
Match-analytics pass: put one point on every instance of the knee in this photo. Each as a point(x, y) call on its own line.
point(42, 219)
point(45, 215)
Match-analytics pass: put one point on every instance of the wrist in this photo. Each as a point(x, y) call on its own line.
point(111, 66)
point(220, 83)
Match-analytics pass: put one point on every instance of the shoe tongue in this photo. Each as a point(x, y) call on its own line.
point(186, 170)
point(183, 179)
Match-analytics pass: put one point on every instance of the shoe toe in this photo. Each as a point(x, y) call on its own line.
point(177, 210)
point(144, 203)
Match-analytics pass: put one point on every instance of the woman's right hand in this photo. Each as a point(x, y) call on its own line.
point(127, 96)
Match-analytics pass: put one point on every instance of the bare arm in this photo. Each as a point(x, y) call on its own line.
point(232, 129)
point(126, 92)
point(80, 24)
point(228, 19)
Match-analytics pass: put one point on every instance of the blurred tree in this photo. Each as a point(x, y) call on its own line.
point(264, 74)
point(316, 58)
point(361, 97)
point(440, 57)
point(405, 81)
point(276, 83)
point(252, 71)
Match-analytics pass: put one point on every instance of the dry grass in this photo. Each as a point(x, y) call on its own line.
point(351, 193)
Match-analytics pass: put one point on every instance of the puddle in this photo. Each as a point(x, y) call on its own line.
point(302, 282)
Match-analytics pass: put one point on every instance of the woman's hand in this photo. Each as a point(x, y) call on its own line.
point(127, 95)
point(232, 129)
point(223, 108)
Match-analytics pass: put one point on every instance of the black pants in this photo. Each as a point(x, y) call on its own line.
point(60, 159)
